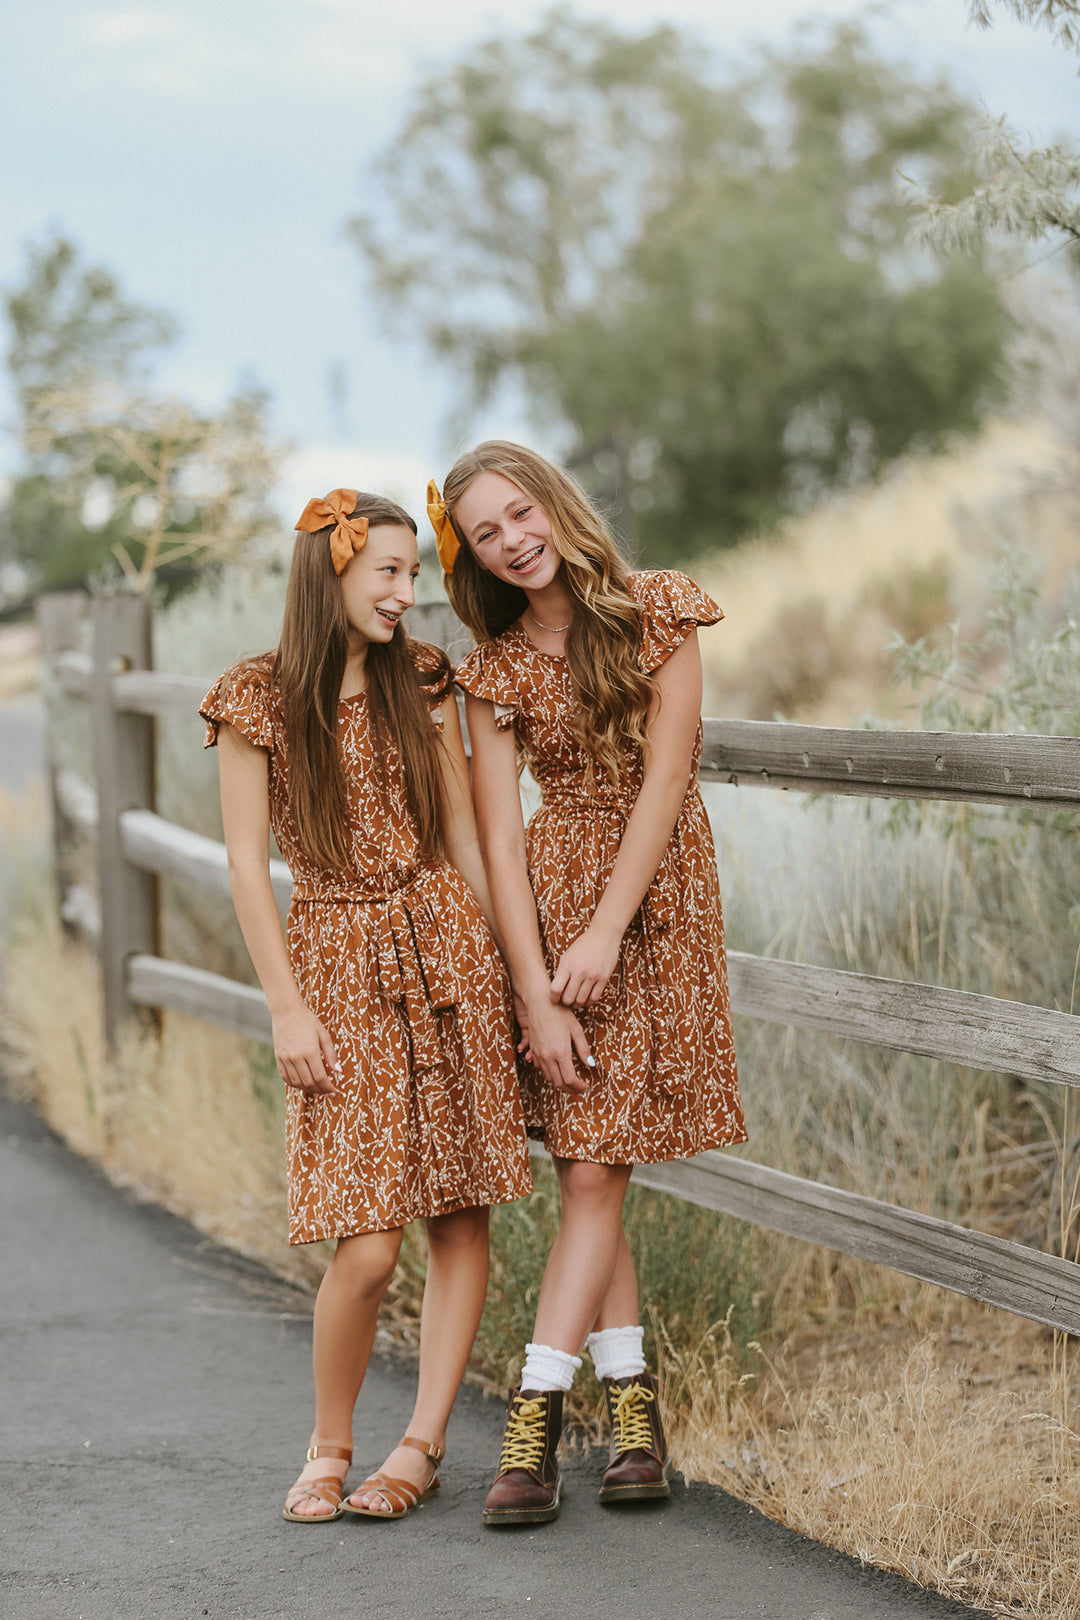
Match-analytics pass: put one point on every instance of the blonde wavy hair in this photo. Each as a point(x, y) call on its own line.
point(604, 640)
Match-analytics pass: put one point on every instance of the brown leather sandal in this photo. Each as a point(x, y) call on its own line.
point(329, 1488)
point(401, 1494)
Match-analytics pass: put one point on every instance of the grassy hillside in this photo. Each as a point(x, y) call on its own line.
point(810, 609)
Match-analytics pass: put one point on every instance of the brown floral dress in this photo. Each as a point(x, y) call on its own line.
point(396, 960)
point(665, 1086)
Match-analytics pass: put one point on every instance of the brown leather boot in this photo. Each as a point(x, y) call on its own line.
point(527, 1488)
point(639, 1467)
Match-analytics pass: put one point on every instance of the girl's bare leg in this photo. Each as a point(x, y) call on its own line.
point(620, 1304)
point(590, 1260)
point(454, 1294)
point(346, 1310)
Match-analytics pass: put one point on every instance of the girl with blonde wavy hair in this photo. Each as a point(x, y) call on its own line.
point(389, 1004)
point(609, 907)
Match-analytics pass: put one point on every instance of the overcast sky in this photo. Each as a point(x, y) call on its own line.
point(207, 151)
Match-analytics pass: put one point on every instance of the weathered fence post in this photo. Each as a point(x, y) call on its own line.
point(124, 759)
point(60, 616)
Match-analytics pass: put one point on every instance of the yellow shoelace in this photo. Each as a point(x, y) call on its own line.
point(523, 1440)
point(630, 1419)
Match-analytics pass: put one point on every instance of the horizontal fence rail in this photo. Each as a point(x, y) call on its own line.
point(1010, 1275)
point(980, 1032)
point(985, 1032)
point(154, 982)
point(986, 768)
point(156, 845)
point(976, 767)
point(957, 1026)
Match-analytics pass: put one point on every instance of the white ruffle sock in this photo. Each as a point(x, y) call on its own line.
point(546, 1368)
point(616, 1352)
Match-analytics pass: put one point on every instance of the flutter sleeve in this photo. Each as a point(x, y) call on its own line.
point(671, 605)
point(241, 698)
point(489, 673)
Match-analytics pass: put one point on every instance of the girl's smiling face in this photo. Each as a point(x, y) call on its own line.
point(377, 585)
point(508, 533)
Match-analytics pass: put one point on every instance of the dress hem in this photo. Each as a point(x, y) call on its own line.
point(417, 1215)
point(536, 1133)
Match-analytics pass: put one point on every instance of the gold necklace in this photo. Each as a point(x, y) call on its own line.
point(551, 629)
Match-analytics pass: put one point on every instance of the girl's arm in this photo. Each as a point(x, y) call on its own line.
point(460, 836)
point(462, 840)
point(303, 1049)
point(585, 968)
point(554, 1034)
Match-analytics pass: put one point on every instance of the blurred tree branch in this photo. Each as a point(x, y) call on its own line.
point(117, 477)
point(1026, 192)
point(1061, 17)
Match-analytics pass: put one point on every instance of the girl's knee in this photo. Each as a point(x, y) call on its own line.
point(602, 1184)
point(366, 1263)
point(463, 1228)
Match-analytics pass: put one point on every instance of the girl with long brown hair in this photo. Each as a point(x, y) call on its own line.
point(610, 910)
point(389, 1004)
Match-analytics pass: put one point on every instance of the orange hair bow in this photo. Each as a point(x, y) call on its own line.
point(447, 543)
point(350, 533)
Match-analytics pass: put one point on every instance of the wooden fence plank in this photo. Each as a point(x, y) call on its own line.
point(1008, 1275)
point(153, 982)
point(149, 692)
point(76, 799)
point(124, 768)
point(155, 845)
point(73, 672)
point(982, 1032)
point(980, 767)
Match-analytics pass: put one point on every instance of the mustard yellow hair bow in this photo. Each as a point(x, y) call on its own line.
point(350, 533)
point(447, 543)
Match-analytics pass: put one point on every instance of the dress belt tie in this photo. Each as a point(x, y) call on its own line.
point(413, 971)
point(413, 962)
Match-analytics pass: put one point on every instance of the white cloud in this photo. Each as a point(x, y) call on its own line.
point(296, 47)
point(130, 27)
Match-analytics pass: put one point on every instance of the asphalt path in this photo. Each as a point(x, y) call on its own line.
point(155, 1392)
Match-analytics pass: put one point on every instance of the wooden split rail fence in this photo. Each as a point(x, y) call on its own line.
point(135, 845)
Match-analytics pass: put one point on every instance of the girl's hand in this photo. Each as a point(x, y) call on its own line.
point(554, 1038)
point(521, 1016)
point(305, 1054)
point(584, 969)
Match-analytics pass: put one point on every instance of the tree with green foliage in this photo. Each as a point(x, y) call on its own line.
point(706, 284)
point(119, 479)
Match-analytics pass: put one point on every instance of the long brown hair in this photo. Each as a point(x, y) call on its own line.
point(605, 637)
point(309, 666)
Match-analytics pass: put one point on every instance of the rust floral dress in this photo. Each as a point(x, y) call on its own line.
point(665, 1086)
point(396, 960)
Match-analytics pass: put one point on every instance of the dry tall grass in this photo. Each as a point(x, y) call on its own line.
point(811, 607)
point(903, 1454)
